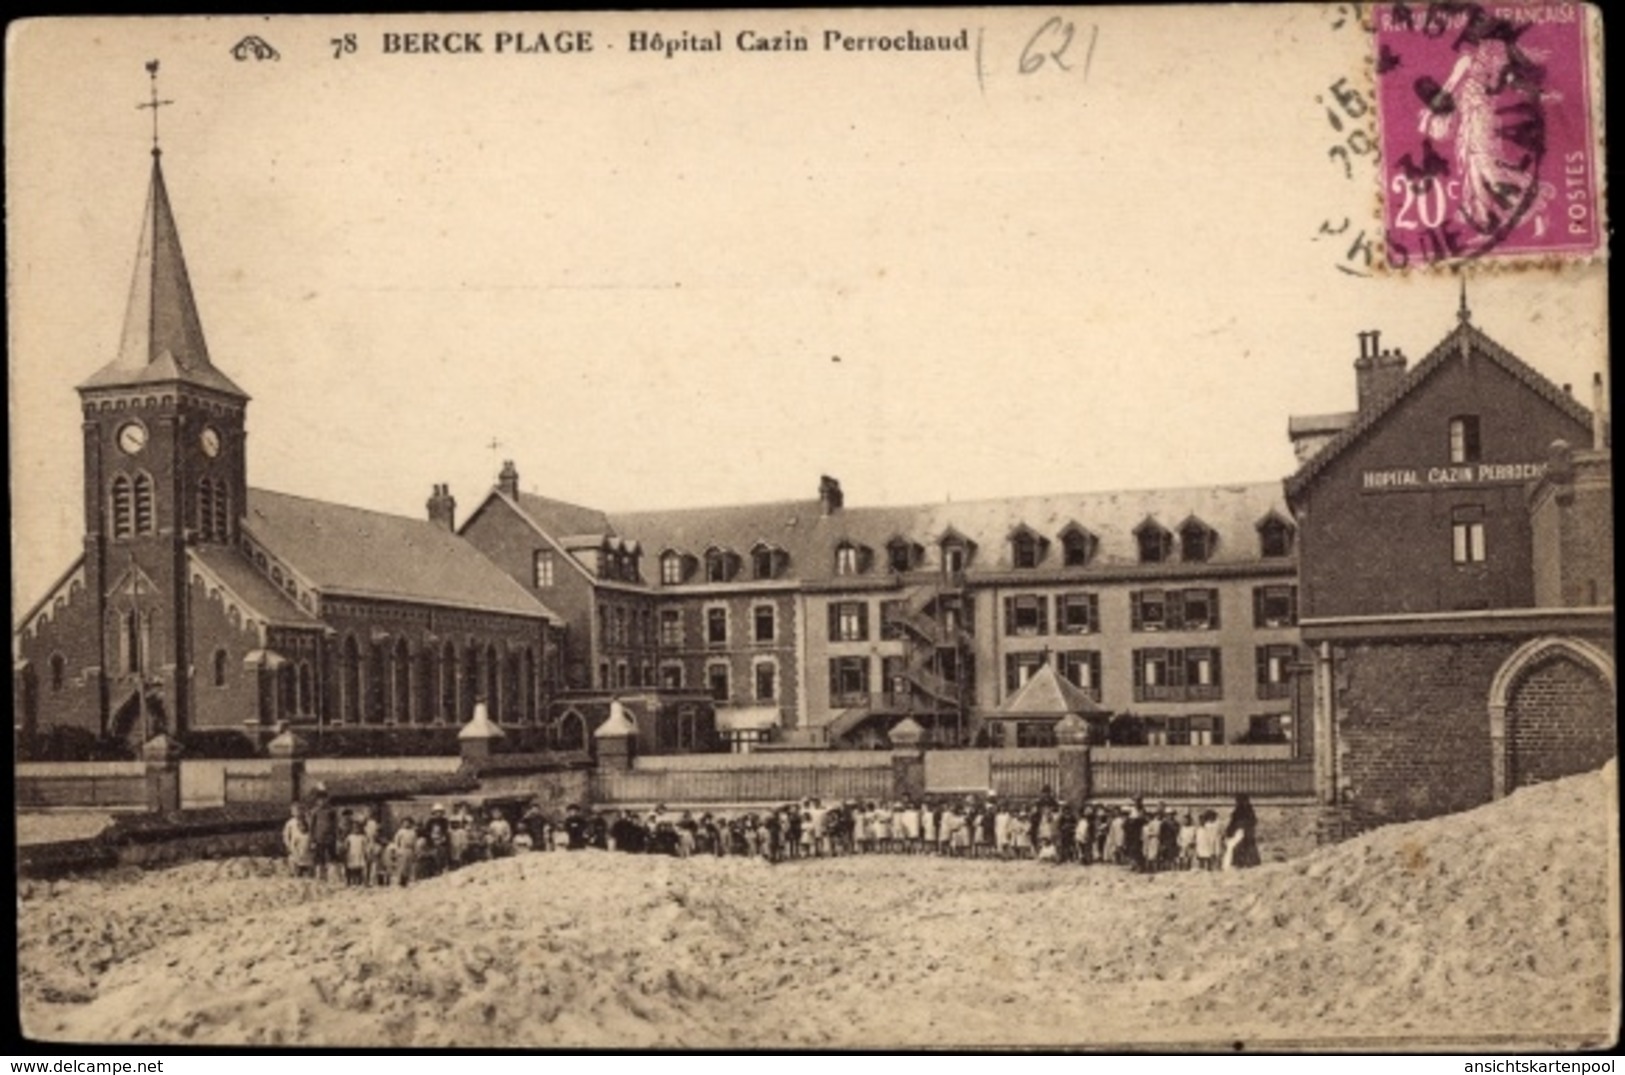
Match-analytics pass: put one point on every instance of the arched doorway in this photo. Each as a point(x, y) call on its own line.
point(1551, 713)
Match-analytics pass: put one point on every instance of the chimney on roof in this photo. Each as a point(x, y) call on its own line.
point(1377, 371)
point(830, 498)
point(508, 479)
point(443, 507)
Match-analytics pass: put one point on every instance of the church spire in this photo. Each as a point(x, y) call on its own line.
point(163, 336)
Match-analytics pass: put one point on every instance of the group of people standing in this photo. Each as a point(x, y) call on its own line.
point(326, 842)
point(354, 845)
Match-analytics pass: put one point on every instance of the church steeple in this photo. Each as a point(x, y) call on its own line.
point(163, 335)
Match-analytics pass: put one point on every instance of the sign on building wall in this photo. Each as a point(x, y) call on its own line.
point(1461, 475)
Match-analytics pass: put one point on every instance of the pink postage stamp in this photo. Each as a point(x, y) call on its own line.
point(1488, 144)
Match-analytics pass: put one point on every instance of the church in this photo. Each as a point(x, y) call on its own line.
point(206, 609)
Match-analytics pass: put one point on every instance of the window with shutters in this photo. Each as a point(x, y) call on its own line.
point(1148, 610)
point(1026, 615)
point(848, 681)
point(1019, 668)
point(1196, 610)
point(1077, 613)
point(1275, 606)
point(1273, 671)
point(849, 621)
point(1202, 675)
point(1082, 668)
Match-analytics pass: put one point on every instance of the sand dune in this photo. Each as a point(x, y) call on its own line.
point(1483, 924)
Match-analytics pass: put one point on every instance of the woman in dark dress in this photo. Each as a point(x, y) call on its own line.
point(1243, 852)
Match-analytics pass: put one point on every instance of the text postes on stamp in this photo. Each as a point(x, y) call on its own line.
point(1488, 148)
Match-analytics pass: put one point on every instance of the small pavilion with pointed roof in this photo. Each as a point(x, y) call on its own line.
point(1029, 717)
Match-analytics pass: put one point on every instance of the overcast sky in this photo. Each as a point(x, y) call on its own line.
point(711, 278)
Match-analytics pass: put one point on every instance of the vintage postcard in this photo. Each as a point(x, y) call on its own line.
point(1051, 527)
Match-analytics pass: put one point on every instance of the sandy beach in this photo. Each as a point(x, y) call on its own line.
point(1486, 924)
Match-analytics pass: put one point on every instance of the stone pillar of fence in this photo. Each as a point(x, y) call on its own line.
point(614, 739)
point(287, 767)
point(162, 756)
point(477, 736)
point(908, 775)
point(1074, 781)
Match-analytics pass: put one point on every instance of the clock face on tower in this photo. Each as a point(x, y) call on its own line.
point(132, 437)
point(210, 441)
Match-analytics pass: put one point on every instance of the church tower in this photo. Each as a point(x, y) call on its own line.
point(164, 468)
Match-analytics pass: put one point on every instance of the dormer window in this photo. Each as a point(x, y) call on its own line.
point(1196, 541)
point(846, 560)
point(767, 561)
point(851, 559)
point(956, 551)
point(1275, 537)
point(673, 569)
point(1026, 548)
point(1156, 544)
point(1464, 443)
point(902, 555)
point(721, 565)
point(1077, 546)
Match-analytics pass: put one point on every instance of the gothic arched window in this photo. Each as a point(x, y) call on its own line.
point(146, 515)
point(123, 507)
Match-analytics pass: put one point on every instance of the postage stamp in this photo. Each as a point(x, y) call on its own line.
point(1487, 137)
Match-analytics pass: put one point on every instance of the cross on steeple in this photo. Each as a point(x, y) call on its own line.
point(154, 103)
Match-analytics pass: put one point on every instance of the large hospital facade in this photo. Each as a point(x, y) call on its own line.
point(1464, 503)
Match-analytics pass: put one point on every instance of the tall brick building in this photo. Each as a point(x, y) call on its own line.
point(1456, 567)
point(810, 622)
point(203, 605)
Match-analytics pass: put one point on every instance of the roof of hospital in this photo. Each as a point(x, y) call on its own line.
point(360, 553)
point(808, 536)
point(1465, 337)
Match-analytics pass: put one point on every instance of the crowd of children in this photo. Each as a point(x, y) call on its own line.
point(322, 841)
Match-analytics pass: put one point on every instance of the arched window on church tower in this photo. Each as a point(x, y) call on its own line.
point(219, 668)
point(222, 512)
point(59, 671)
point(205, 509)
point(123, 507)
point(146, 515)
